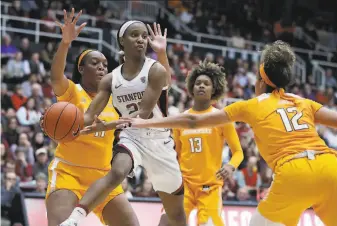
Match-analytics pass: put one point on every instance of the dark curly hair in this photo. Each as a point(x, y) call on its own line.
point(278, 59)
point(215, 72)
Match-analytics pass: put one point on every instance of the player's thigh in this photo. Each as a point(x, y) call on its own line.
point(62, 192)
point(173, 205)
point(60, 204)
point(289, 195)
point(118, 212)
point(209, 205)
point(326, 204)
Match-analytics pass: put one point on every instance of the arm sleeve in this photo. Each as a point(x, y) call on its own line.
point(233, 142)
point(315, 106)
point(69, 93)
point(240, 111)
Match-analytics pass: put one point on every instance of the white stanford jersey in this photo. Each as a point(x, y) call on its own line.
point(127, 96)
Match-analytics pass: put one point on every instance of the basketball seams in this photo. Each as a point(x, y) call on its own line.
point(45, 120)
point(58, 119)
point(71, 125)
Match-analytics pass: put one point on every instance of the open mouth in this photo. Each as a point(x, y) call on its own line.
point(201, 92)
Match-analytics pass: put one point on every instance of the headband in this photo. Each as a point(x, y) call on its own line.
point(265, 78)
point(82, 56)
point(126, 25)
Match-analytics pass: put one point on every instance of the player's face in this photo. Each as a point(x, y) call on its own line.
point(95, 67)
point(203, 88)
point(135, 40)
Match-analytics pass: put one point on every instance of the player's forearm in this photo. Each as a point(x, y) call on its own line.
point(59, 62)
point(162, 58)
point(183, 121)
point(237, 158)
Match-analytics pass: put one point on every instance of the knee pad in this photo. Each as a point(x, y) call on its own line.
point(259, 220)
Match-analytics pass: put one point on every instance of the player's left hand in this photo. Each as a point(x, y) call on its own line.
point(225, 172)
point(97, 126)
point(157, 41)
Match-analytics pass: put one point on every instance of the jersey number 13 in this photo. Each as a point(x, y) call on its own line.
point(291, 124)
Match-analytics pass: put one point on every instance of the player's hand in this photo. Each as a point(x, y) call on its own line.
point(157, 41)
point(69, 29)
point(97, 126)
point(225, 172)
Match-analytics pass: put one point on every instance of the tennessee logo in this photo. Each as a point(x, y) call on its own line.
point(142, 79)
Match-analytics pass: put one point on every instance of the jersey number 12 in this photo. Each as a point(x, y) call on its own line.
point(293, 123)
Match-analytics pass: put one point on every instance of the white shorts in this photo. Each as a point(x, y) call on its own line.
point(159, 159)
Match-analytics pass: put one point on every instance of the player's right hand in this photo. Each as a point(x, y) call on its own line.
point(69, 29)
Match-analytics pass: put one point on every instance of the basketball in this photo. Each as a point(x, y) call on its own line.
point(63, 121)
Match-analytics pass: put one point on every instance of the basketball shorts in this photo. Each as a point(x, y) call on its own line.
point(158, 157)
point(77, 179)
point(208, 202)
point(299, 184)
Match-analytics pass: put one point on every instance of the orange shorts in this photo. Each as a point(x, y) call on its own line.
point(207, 201)
point(78, 180)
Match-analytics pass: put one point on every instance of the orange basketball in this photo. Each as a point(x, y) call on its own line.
point(63, 121)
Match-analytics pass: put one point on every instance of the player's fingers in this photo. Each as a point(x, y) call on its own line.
point(77, 17)
point(65, 16)
point(72, 15)
point(80, 28)
point(150, 30)
point(155, 28)
point(159, 29)
point(59, 24)
point(165, 32)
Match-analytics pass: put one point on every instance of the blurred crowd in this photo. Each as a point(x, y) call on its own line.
point(26, 92)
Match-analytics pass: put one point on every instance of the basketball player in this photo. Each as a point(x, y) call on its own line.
point(305, 169)
point(200, 150)
point(77, 164)
point(138, 87)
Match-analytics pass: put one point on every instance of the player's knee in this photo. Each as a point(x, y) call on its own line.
point(118, 174)
point(258, 220)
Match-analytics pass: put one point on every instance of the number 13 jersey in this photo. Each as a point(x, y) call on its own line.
point(281, 128)
point(127, 96)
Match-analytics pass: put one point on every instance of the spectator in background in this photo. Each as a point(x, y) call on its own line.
point(12, 134)
point(18, 99)
point(27, 114)
point(47, 88)
point(25, 146)
point(49, 22)
point(249, 177)
point(41, 183)
point(330, 79)
point(38, 96)
point(308, 93)
point(6, 101)
point(15, 68)
point(9, 189)
point(5, 156)
point(38, 140)
point(27, 85)
point(47, 54)
point(41, 164)
point(238, 41)
point(23, 169)
point(25, 49)
point(7, 49)
point(34, 65)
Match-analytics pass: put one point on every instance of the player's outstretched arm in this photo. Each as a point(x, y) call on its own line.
point(183, 121)
point(326, 117)
point(69, 33)
point(157, 81)
point(158, 43)
point(100, 101)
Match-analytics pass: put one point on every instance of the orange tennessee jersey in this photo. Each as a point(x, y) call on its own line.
point(200, 151)
point(93, 150)
point(282, 129)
